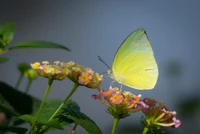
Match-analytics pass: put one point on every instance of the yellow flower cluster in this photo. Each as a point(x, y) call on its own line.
point(77, 73)
point(56, 71)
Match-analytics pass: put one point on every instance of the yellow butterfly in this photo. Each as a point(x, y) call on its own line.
point(134, 64)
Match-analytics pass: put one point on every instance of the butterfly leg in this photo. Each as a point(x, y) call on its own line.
point(111, 84)
point(121, 87)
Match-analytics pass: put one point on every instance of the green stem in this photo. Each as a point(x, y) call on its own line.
point(42, 104)
point(28, 86)
point(116, 120)
point(63, 103)
point(145, 130)
point(74, 128)
point(19, 81)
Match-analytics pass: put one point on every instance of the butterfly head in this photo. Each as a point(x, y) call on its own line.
point(110, 72)
point(112, 76)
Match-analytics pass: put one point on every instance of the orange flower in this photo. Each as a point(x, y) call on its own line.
point(120, 104)
point(83, 76)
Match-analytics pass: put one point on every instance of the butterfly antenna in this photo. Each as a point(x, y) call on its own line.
point(103, 61)
point(104, 73)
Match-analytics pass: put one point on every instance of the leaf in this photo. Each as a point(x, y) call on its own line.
point(53, 123)
point(38, 44)
point(6, 107)
point(28, 118)
point(6, 33)
point(51, 106)
point(3, 59)
point(82, 120)
point(2, 50)
point(72, 105)
point(18, 130)
point(6, 27)
point(47, 111)
point(21, 102)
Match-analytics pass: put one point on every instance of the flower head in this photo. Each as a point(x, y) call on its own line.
point(120, 104)
point(157, 115)
point(77, 73)
point(82, 75)
point(85, 78)
point(56, 71)
point(116, 98)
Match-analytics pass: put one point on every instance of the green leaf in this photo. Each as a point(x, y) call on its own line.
point(3, 59)
point(6, 107)
point(47, 111)
point(21, 102)
point(53, 124)
point(38, 44)
point(6, 33)
point(51, 106)
point(15, 103)
point(2, 50)
point(6, 27)
point(35, 105)
point(28, 118)
point(82, 120)
point(17, 130)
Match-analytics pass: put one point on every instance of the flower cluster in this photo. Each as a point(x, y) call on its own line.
point(56, 71)
point(82, 75)
point(119, 103)
point(157, 115)
point(77, 73)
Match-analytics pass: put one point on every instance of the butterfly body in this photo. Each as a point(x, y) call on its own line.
point(134, 64)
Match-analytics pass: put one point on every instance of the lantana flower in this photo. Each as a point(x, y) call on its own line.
point(120, 104)
point(56, 71)
point(158, 115)
point(60, 70)
point(82, 75)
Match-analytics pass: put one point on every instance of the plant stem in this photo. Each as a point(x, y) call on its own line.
point(74, 128)
point(42, 104)
point(145, 130)
point(63, 103)
point(28, 86)
point(19, 81)
point(116, 120)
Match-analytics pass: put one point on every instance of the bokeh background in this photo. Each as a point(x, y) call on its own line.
point(90, 28)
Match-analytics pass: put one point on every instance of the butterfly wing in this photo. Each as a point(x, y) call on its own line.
point(134, 64)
